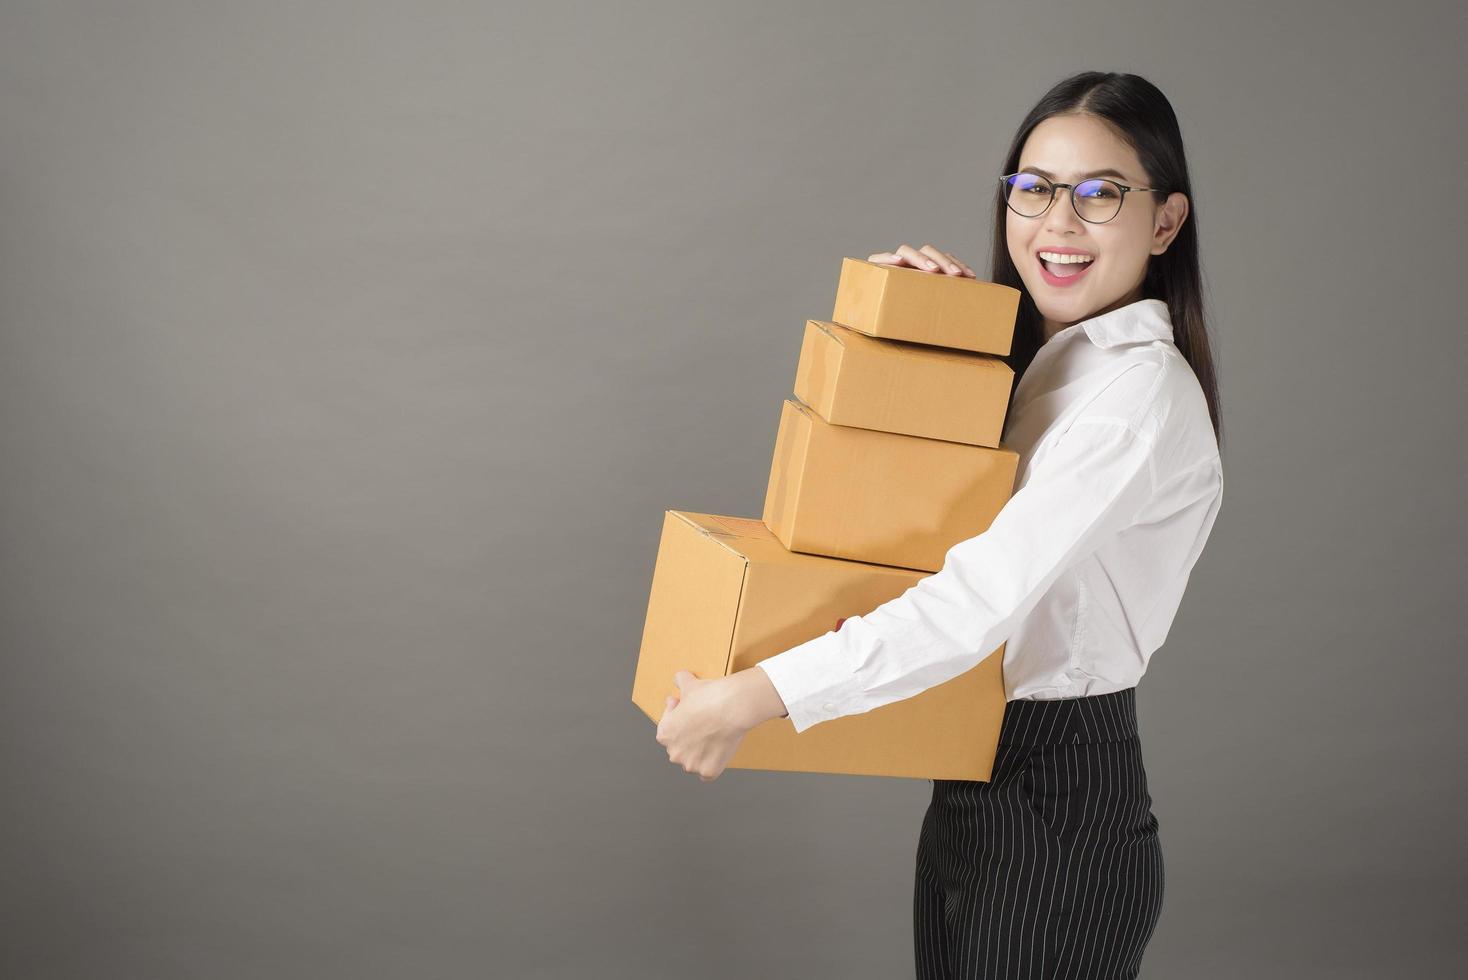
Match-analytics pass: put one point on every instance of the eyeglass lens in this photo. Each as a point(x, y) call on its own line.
point(1095, 199)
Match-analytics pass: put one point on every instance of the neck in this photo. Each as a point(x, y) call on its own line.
point(1053, 327)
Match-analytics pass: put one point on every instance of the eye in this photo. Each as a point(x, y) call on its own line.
point(1098, 190)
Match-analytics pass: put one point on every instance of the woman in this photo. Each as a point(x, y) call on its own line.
point(1054, 866)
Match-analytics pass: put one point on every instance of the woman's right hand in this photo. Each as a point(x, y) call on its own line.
point(926, 259)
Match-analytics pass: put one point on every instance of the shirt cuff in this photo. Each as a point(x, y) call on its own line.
point(813, 681)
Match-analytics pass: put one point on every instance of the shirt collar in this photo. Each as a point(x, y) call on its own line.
point(1135, 323)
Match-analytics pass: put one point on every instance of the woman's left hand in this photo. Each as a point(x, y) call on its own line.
point(703, 725)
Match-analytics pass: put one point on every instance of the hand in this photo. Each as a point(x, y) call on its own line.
point(927, 259)
point(704, 723)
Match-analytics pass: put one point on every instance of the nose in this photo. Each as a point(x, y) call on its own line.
point(1062, 214)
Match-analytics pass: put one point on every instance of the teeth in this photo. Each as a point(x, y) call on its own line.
point(1058, 257)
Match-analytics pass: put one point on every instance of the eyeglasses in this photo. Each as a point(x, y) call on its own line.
point(1096, 200)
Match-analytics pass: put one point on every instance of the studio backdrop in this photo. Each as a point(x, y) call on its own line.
point(352, 352)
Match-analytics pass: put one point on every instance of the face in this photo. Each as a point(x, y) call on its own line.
point(1069, 149)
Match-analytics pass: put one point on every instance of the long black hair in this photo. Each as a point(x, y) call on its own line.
point(1140, 115)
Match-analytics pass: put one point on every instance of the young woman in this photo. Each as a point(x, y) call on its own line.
point(1053, 867)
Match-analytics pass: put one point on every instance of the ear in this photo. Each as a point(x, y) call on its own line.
point(1169, 221)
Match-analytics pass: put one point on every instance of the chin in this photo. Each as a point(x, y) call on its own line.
point(1067, 310)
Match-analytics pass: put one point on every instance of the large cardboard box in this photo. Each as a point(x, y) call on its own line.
point(881, 497)
point(726, 594)
point(897, 386)
point(899, 303)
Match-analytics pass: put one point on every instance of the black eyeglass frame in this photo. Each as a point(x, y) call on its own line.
point(1054, 186)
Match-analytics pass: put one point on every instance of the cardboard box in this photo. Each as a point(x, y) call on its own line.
point(881, 497)
point(726, 595)
point(849, 378)
point(899, 303)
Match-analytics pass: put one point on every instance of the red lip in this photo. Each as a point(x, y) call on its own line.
point(1054, 280)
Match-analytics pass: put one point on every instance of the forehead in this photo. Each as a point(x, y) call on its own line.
point(1074, 146)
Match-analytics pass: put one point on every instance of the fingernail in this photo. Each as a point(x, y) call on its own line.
point(932, 264)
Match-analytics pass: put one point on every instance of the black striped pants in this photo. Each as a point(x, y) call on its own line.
point(1053, 868)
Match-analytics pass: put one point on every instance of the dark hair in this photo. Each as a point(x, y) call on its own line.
point(1141, 115)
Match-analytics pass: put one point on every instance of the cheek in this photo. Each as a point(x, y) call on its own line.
point(1018, 242)
point(1127, 263)
point(1130, 246)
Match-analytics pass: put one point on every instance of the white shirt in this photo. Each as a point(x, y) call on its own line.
point(1082, 571)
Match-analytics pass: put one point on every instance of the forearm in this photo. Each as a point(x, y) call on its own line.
point(759, 701)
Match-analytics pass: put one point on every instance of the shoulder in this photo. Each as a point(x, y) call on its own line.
point(1138, 386)
point(1153, 391)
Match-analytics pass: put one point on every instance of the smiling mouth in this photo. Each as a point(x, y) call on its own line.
point(1065, 270)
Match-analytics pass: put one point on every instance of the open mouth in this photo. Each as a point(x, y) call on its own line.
point(1062, 270)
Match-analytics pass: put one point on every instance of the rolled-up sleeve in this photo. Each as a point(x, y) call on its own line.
point(1089, 484)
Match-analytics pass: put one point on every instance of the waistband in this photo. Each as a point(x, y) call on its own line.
point(1108, 717)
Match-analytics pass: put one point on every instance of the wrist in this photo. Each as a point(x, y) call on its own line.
point(758, 700)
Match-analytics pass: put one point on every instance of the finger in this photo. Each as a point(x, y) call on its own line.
point(885, 258)
point(916, 259)
point(945, 261)
point(963, 267)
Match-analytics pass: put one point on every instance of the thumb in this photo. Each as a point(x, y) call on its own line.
point(683, 678)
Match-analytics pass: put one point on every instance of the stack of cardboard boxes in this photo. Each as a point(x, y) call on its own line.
point(888, 455)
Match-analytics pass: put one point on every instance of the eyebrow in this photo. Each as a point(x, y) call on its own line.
point(1095, 173)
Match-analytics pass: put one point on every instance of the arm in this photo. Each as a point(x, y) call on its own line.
point(758, 699)
point(1088, 486)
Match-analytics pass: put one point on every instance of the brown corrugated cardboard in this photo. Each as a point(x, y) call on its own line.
point(726, 594)
point(849, 378)
point(880, 497)
point(925, 307)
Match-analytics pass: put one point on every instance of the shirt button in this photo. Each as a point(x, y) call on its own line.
point(829, 706)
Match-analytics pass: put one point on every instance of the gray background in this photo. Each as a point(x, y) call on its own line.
point(352, 353)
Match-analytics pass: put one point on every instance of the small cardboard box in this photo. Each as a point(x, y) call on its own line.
point(898, 303)
point(881, 497)
point(726, 594)
point(849, 378)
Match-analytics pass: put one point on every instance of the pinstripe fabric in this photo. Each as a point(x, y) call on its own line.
point(1053, 868)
